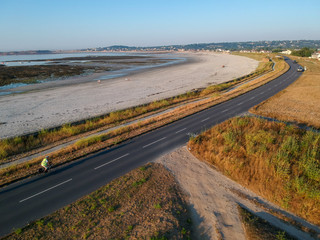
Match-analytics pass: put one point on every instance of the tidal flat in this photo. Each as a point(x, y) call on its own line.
point(41, 70)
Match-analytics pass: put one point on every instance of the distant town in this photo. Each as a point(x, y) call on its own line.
point(225, 46)
point(311, 47)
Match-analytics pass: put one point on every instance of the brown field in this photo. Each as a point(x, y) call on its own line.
point(146, 203)
point(300, 102)
point(278, 162)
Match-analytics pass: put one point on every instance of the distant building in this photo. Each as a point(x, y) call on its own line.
point(286, 52)
point(316, 56)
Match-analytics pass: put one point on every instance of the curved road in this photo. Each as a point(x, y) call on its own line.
point(39, 196)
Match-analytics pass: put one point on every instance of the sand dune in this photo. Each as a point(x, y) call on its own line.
point(53, 106)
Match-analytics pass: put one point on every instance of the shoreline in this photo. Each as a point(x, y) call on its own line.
point(38, 109)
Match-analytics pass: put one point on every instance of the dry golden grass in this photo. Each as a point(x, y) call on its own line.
point(300, 102)
point(279, 162)
point(255, 56)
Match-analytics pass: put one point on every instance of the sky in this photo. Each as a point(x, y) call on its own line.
point(76, 24)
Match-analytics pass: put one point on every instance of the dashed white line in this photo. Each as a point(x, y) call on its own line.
point(154, 142)
point(239, 103)
point(252, 98)
point(261, 93)
point(181, 130)
point(206, 119)
point(225, 110)
point(111, 161)
point(45, 190)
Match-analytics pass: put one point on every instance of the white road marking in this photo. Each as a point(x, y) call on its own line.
point(181, 130)
point(225, 110)
point(154, 142)
point(240, 103)
point(261, 93)
point(205, 119)
point(111, 161)
point(45, 190)
point(252, 98)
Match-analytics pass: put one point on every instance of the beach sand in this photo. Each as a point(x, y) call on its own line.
point(55, 105)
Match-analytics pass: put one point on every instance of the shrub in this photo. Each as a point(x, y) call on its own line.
point(157, 206)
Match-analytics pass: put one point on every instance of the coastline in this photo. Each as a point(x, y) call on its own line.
point(53, 105)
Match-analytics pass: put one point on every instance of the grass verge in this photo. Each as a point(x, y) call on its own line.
point(300, 102)
point(93, 144)
point(257, 228)
point(279, 162)
point(146, 203)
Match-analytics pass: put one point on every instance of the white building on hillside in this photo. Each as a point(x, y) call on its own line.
point(287, 52)
point(316, 55)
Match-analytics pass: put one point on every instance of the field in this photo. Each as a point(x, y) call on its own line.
point(300, 102)
point(143, 204)
point(278, 162)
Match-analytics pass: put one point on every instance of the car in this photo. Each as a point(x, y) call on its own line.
point(300, 69)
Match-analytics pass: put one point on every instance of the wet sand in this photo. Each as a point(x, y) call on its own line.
point(52, 103)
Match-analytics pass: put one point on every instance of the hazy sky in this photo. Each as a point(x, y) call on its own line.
point(74, 24)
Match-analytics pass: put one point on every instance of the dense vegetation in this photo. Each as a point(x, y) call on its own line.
point(278, 162)
point(304, 52)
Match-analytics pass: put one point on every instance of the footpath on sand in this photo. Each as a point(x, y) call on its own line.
point(213, 200)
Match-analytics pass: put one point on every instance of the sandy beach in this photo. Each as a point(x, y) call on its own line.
point(54, 105)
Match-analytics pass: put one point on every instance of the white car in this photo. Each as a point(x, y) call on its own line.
point(300, 69)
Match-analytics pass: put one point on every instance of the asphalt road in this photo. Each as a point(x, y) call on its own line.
point(28, 200)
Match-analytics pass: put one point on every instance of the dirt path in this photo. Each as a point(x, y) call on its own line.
point(213, 199)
